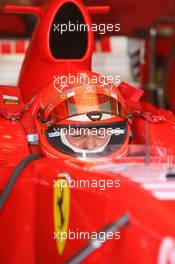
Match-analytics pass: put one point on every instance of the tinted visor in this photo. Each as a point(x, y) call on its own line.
point(83, 104)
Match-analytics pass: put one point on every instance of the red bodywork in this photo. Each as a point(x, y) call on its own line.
point(27, 222)
point(29, 218)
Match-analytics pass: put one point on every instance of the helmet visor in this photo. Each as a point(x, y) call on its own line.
point(83, 104)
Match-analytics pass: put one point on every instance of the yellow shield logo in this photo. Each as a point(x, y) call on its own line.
point(61, 210)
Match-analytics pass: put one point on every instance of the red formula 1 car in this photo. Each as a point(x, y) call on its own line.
point(113, 206)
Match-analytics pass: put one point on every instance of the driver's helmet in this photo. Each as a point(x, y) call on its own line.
point(85, 120)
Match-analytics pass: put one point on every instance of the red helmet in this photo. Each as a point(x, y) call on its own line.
point(83, 119)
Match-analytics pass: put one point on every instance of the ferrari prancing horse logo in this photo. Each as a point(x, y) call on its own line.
point(61, 210)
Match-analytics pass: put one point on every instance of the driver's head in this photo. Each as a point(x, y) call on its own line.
point(87, 140)
point(88, 119)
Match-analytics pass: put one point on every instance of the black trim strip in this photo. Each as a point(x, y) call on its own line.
point(14, 176)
